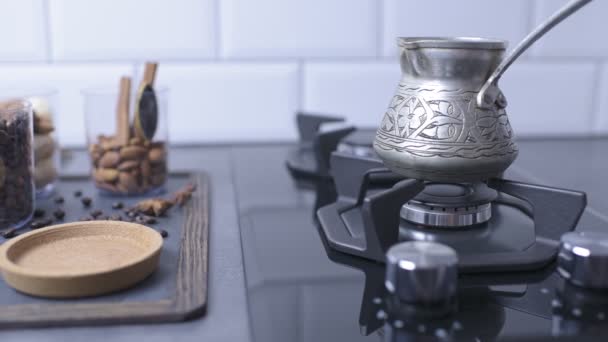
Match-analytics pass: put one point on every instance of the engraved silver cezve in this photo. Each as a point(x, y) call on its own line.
point(447, 121)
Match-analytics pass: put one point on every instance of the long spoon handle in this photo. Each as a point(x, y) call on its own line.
point(489, 92)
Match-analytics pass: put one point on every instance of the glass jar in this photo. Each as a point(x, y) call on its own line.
point(16, 160)
point(137, 167)
point(47, 156)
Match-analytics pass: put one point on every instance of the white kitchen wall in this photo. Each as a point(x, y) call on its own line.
point(238, 70)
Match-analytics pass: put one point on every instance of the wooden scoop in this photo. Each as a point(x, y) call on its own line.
point(123, 129)
point(146, 107)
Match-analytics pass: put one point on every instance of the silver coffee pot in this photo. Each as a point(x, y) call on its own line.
point(447, 121)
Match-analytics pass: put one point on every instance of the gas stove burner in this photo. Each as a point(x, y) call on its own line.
point(358, 143)
point(450, 205)
point(309, 160)
point(518, 225)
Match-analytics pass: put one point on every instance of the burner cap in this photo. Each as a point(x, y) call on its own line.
point(450, 205)
point(359, 143)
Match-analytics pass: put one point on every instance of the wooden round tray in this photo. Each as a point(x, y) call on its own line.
point(80, 259)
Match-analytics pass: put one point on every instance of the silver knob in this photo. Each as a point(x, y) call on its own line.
point(421, 272)
point(583, 259)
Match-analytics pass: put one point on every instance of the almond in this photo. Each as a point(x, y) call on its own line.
point(109, 159)
point(156, 155)
point(128, 165)
point(132, 152)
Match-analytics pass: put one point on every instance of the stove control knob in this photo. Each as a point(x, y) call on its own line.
point(583, 259)
point(421, 272)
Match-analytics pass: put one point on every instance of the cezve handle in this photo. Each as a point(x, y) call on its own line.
point(489, 92)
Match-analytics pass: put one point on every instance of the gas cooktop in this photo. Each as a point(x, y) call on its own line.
point(315, 272)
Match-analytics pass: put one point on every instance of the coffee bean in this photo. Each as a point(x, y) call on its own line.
point(9, 234)
point(164, 233)
point(148, 219)
point(59, 200)
point(96, 213)
point(86, 201)
point(115, 217)
point(117, 205)
point(37, 224)
point(85, 218)
point(59, 214)
point(130, 213)
point(39, 213)
point(77, 193)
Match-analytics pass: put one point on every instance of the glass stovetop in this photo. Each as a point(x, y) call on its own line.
point(299, 290)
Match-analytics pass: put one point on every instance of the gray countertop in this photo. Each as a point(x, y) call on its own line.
point(574, 164)
point(226, 318)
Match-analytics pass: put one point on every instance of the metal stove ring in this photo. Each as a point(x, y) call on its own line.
point(446, 216)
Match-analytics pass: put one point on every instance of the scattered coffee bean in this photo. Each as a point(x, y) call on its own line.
point(86, 201)
point(130, 213)
point(96, 213)
point(115, 217)
point(148, 219)
point(59, 214)
point(164, 233)
point(117, 205)
point(77, 193)
point(9, 234)
point(39, 213)
point(37, 224)
point(59, 200)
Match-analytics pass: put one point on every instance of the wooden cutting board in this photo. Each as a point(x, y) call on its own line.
point(175, 292)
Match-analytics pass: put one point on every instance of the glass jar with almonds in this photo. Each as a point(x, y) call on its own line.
point(124, 159)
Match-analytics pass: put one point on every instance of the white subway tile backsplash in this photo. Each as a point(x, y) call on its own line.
point(238, 69)
point(582, 34)
point(132, 29)
point(550, 99)
point(295, 28)
point(360, 92)
point(22, 31)
point(499, 19)
point(230, 102)
point(68, 80)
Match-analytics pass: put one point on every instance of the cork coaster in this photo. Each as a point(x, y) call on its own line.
point(80, 259)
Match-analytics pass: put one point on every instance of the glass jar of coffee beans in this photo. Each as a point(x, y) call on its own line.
point(16, 164)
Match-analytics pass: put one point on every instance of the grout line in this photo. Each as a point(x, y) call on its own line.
point(595, 121)
point(218, 30)
point(530, 24)
point(261, 60)
point(300, 86)
point(379, 27)
point(46, 18)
